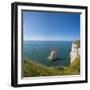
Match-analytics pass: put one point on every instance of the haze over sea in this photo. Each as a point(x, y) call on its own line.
point(38, 51)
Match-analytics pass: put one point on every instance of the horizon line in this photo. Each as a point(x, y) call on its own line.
point(51, 40)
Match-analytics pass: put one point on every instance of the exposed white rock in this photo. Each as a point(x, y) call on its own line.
point(75, 52)
point(52, 55)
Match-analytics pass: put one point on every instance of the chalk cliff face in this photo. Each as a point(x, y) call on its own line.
point(75, 52)
point(52, 55)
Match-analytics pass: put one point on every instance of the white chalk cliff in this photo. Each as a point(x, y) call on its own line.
point(52, 55)
point(75, 52)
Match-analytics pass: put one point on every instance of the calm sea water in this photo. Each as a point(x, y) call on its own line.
point(38, 51)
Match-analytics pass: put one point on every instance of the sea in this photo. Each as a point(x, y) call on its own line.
point(38, 52)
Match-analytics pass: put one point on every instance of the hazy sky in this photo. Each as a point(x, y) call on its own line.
point(51, 26)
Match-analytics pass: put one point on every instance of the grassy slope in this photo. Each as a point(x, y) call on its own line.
point(74, 67)
point(31, 69)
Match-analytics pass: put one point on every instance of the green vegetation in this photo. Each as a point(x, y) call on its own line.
point(77, 42)
point(32, 69)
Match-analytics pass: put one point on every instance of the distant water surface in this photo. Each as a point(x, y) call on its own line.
point(38, 51)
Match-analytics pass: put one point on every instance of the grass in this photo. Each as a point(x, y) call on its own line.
point(78, 43)
point(32, 69)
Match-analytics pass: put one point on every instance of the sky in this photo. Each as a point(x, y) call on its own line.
point(51, 26)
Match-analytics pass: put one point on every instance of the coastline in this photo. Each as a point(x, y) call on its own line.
point(32, 69)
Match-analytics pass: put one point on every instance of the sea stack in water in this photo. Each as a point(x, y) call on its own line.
point(52, 55)
point(75, 51)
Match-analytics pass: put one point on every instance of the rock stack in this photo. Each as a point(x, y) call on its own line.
point(52, 55)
